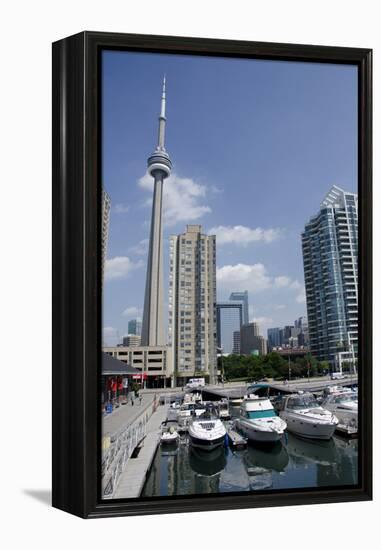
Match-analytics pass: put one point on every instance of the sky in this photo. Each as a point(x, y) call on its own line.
point(255, 147)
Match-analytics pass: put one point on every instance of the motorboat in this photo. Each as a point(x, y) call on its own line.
point(306, 418)
point(223, 409)
point(206, 431)
point(258, 420)
point(189, 410)
point(169, 435)
point(343, 403)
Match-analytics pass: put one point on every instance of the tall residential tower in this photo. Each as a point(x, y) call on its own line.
point(192, 304)
point(330, 253)
point(159, 167)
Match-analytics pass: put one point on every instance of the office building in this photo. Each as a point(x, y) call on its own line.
point(330, 251)
point(229, 320)
point(252, 343)
point(135, 327)
point(132, 340)
point(274, 338)
point(237, 342)
point(244, 298)
point(192, 304)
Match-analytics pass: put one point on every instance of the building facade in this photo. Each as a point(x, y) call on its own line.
point(274, 338)
point(237, 342)
point(330, 252)
point(192, 304)
point(252, 343)
point(135, 327)
point(132, 340)
point(243, 297)
point(154, 363)
point(106, 208)
point(229, 320)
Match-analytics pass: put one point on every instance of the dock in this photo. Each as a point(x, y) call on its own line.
point(131, 482)
point(236, 440)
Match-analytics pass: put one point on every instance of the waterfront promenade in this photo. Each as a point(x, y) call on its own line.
point(132, 480)
point(125, 415)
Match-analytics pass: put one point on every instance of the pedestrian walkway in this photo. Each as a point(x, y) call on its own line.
point(131, 482)
point(125, 415)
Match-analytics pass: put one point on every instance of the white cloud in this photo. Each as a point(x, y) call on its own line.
point(301, 297)
point(282, 281)
point(253, 278)
point(241, 235)
point(182, 200)
point(244, 277)
point(132, 311)
point(122, 208)
point(278, 307)
point(120, 267)
point(141, 248)
point(110, 336)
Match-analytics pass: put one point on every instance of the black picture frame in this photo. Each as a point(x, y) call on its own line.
point(77, 271)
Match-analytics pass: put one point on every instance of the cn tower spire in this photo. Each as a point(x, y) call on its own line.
point(159, 167)
point(162, 120)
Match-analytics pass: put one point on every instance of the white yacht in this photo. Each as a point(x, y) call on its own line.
point(305, 417)
point(343, 403)
point(258, 420)
point(187, 410)
point(206, 431)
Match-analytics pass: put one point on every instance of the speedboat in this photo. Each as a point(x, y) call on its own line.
point(306, 418)
point(258, 420)
point(343, 403)
point(187, 410)
point(169, 435)
point(206, 431)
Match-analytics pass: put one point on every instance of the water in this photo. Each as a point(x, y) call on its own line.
point(292, 463)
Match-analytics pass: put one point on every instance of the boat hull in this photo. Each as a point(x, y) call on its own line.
point(206, 444)
point(258, 435)
point(309, 429)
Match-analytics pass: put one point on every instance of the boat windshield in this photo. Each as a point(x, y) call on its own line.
point(346, 397)
point(260, 414)
point(302, 402)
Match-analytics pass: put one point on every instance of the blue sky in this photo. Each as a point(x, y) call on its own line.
point(255, 146)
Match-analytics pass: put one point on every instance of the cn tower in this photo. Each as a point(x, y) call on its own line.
point(159, 167)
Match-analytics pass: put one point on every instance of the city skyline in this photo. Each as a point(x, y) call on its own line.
point(258, 241)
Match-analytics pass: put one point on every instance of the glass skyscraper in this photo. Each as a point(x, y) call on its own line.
point(330, 252)
point(229, 321)
point(244, 298)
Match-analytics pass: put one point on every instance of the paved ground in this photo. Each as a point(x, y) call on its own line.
point(125, 415)
point(132, 480)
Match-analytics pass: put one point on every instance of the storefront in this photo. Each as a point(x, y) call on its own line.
point(117, 380)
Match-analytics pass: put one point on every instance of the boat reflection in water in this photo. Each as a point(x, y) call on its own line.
point(272, 458)
point(207, 464)
point(334, 462)
point(262, 463)
point(317, 451)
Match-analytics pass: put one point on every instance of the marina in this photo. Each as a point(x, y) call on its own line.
point(180, 443)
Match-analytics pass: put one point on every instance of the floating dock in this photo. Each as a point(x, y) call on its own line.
point(235, 438)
